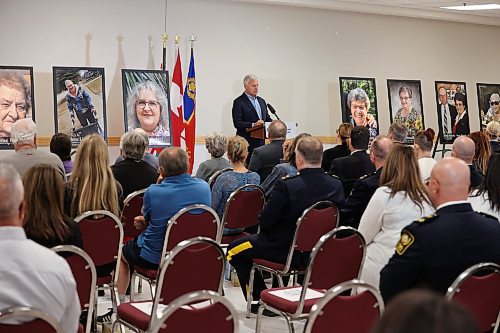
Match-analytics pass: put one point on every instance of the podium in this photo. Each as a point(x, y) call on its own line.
point(257, 132)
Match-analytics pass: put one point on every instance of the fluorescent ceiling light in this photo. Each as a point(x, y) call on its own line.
point(474, 7)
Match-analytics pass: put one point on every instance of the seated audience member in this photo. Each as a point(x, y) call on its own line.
point(422, 311)
point(161, 201)
point(400, 199)
point(149, 158)
point(286, 168)
point(216, 144)
point(31, 275)
point(340, 150)
point(265, 157)
point(483, 151)
point(397, 133)
point(358, 164)
point(133, 173)
point(289, 198)
point(486, 198)
point(423, 150)
point(464, 148)
point(493, 132)
point(26, 155)
point(355, 204)
point(60, 144)
point(45, 221)
point(434, 250)
point(228, 182)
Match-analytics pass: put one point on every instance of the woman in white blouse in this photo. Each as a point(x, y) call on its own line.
point(423, 147)
point(400, 200)
point(486, 199)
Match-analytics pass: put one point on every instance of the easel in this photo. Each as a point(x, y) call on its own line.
point(444, 150)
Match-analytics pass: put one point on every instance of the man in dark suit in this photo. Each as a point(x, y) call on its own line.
point(355, 204)
point(434, 250)
point(288, 200)
point(461, 123)
point(351, 167)
point(447, 114)
point(250, 111)
point(264, 158)
point(464, 149)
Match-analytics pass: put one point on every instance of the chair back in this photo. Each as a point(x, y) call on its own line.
point(42, 322)
point(243, 207)
point(85, 275)
point(478, 290)
point(264, 172)
point(181, 269)
point(216, 313)
point(213, 178)
point(132, 206)
point(353, 313)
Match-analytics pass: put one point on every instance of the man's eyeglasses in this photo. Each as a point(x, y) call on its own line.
point(494, 103)
point(427, 181)
point(152, 104)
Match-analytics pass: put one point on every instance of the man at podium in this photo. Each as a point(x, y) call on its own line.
point(250, 113)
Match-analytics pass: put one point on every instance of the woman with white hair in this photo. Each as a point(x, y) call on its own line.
point(493, 133)
point(216, 144)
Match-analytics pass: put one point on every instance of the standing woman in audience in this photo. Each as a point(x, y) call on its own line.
point(340, 150)
point(423, 150)
point(44, 220)
point(486, 198)
point(226, 183)
point(400, 200)
point(216, 144)
point(483, 150)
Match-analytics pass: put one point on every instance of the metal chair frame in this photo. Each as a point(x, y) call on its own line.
point(213, 178)
point(25, 311)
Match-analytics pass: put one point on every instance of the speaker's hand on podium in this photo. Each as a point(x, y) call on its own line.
point(258, 123)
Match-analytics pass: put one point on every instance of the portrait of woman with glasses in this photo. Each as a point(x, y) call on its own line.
point(147, 108)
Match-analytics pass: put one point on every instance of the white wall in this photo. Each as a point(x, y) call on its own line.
point(298, 53)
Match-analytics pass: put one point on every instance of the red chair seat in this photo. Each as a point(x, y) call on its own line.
point(150, 273)
point(273, 265)
point(229, 238)
point(104, 280)
point(283, 304)
point(130, 314)
point(80, 328)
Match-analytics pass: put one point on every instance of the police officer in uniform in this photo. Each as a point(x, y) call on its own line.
point(289, 198)
point(355, 204)
point(434, 250)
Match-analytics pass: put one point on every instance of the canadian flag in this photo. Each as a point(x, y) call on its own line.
point(176, 102)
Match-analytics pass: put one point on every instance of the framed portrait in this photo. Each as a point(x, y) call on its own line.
point(79, 102)
point(17, 99)
point(146, 102)
point(405, 105)
point(359, 102)
point(488, 99)
point(452, 110)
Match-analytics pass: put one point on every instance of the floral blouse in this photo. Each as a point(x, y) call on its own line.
point(413, 121)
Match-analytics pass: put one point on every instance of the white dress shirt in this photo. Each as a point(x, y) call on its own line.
point(425, 164)
point(32, 275)
point(481, 203)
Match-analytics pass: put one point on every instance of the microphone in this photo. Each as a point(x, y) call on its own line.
point(273, 111)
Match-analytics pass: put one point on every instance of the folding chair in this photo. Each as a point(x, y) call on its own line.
point(102, 237)
point(192, 221)
point(42, 322)
point(182, 316)
point(345, 314)
point(213, 178)
point(333, 260)
point(132, 206)
point(242, 210)
point(180, 273)
point(478, 290)
point(316, 221)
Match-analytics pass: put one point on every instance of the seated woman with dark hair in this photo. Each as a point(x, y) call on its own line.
point(486, 198)
point(423, 150)
point(216, 144)
point(45, 221)
point(340, 150)
point(60, 144)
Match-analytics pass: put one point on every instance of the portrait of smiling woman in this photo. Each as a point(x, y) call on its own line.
point(147, 106)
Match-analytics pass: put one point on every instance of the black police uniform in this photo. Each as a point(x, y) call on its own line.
point(355, 204)
point(351, 167)
point(476, 177)
point(288, 200)
point(433, 251)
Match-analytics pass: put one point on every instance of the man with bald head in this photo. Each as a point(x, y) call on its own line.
point(434, 250)
point(464, 149)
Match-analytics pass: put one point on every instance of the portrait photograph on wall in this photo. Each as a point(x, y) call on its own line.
point(452, 110)
point(146, 103)
point(359, 102)
point(405, 105)
point(488, 99)
point(79, 102)
point(17, 99)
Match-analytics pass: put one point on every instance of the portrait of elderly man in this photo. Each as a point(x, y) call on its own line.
point(358, 104)
point(15, 99)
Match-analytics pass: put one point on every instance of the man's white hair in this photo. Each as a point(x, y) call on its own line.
point(11, 190)
point(23, 131)
point(248, 78)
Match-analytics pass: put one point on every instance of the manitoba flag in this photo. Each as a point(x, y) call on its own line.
point(189, 111)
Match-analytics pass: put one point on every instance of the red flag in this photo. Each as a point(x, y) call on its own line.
point(189, 111)
point(176, 101)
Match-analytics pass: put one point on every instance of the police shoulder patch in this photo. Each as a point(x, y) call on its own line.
point(405, 242)
point(427, 218)
point(287, 177)
point(335, 176)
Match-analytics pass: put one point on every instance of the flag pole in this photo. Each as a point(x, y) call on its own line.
point(164, 38)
